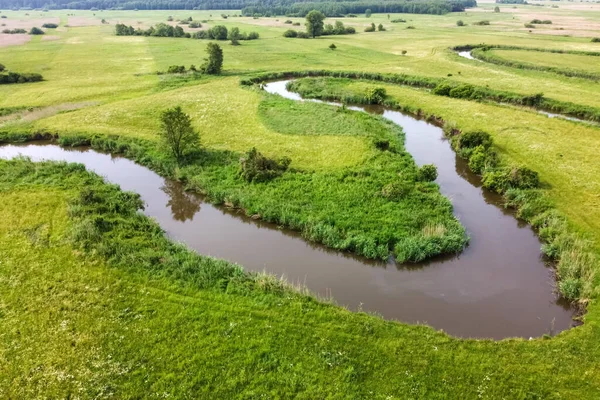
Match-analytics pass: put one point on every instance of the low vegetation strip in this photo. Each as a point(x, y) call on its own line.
point(576, 260)
point(485, 53)
point(444, 87)
point(381, 205)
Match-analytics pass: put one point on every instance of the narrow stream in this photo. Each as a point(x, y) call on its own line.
point(498, 287)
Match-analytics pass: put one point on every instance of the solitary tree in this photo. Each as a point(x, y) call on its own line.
point(314, 23)
point(368, 13)
point(234, 36)
point(496, 9)
point(177, 132)
point(214, 63)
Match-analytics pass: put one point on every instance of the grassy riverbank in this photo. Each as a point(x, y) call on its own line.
point(88, 314)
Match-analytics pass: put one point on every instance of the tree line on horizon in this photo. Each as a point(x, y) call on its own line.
point(260, 7)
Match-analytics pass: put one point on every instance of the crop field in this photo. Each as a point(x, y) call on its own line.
point(97, 301)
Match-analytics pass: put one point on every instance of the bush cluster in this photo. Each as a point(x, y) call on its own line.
point(255, 167)
point(14, 31)
point(14, 77)
point(50, 26)
point(539, 21)
point(217, 32)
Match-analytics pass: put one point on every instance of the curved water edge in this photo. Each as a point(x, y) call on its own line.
point(467, 54)
point(498, 287)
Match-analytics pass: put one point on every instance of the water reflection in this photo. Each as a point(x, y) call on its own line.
point(183, 205)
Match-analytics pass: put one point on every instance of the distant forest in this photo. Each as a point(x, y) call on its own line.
point(256, 7)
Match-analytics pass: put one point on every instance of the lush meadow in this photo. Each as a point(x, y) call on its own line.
point(97, 303)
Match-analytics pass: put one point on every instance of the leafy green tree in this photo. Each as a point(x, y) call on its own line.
point(218, 32)
point(314, 23)
point(177, 132)
point(496, 9)
point(234, 36)
point(460, 23)
point(380, 28)
point(368, 13)
point(214, 63)
point(2, 67)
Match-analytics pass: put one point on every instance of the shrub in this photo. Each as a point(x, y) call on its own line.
point(2, 67)
point(296, 24)
point(399, 20)
point(404, 52)
point(376, 95)
point(290, 33)
point(481, 23)
point(410, 27)
point(350, 30)
point(303, 35)
point(252, 36)
point(332, 46)
point(370, 28)
point(442, 89)
point(596, 40)
point(36, 31)
point(380, 28)
point(177, 133)
point(500, 180)
point(200, 35)
point(463, 91)
point(195, 24)
point(460, 23)
point(530, 26)
point(368, 13)
point(255, 167)
point(496, 9)
point(474, 139)
point(427, 173)
point(50, 26)
point(176, 69)
point(289, 21)
point(396, 190)
point(478, 159)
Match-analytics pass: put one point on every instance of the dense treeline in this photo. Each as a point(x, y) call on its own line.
point(337, 9)
point(264, 7)
point(483, 53)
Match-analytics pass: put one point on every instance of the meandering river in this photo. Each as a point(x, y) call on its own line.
point(498, 287)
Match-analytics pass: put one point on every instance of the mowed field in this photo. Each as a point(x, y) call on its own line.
point(124, 333)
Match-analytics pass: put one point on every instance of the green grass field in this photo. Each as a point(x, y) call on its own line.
point(80, 322)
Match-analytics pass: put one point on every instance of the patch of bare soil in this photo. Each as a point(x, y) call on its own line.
point(28, 23)
point(13, 40)
point(34, 114)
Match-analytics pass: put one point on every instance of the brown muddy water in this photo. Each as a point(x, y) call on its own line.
point(498, 287)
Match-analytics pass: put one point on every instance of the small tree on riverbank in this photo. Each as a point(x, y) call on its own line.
point(177, 133)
